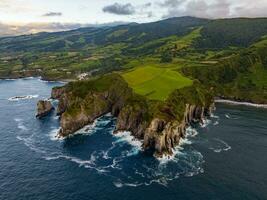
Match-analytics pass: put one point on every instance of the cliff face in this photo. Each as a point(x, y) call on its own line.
point(164, 136)
point(80, 103)
point(160, 125)
point(162, 129)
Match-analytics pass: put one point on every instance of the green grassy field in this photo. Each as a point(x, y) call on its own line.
point(155, 82)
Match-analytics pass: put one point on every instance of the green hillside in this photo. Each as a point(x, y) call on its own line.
point(228, 55)
point(156, 83)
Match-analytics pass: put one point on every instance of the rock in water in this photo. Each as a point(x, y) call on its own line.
point(43, 108)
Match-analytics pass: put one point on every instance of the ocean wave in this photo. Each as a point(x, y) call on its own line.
point(97, 125)
point(76, 160)
point(45, 81)
point(214, 116)
point(25, 97)
point(205, 123)
point(8, 79)
point(220, 146)
point(29, 78)
point(53, 134)
point(216, 123)
point(228, 116)
point(20, 124)
point(30, 143)
point(113, 159)
point(120, 184)
point(126, 137)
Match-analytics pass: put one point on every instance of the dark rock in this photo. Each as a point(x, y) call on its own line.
point(43, 108)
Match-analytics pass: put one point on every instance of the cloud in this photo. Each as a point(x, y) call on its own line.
point(14, 29)
point(120, 9)
point(146, 5)
point(31, 28)
point(52, 14)
point(172, 3)
point(197, 8)
point(247, 8)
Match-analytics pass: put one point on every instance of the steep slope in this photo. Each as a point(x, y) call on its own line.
point(160, 125)
point(240, 77)
point(133, 34)
point(225, 33)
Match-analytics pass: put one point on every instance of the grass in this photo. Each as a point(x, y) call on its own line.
point(182, 42)
point(154, 82)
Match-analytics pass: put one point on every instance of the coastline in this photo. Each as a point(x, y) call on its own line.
point(39, 78)
point(231, 102)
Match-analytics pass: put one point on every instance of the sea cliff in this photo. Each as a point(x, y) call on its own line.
point(160, 125)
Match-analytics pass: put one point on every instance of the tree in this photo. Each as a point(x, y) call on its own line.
point(166, 57)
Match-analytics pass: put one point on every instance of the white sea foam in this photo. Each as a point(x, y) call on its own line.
point(29, 143)
point(76, 160)
point(53, 135)
point(216, 123)
point(28, 78)
point(205, 123)
point(8, 79)
point(191, 132)
point(214, 116)
point(26, 97)
point(125, 136)
point(21, 125)
point(45, 81)
point(220, 146)
point(120, 184)
point(90, 129)
point(56, 117)
point(227, 116)
point(240, 103)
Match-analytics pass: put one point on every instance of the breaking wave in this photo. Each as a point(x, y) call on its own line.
point(26, 97)
point(219, 146)
point(20, 124)
point(120, 156)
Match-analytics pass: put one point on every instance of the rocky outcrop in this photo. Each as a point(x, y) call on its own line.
point(162, 128)
point(82, 107)
point(57, 92)
point(43, 108)
point(160, 125)
point(163, 136)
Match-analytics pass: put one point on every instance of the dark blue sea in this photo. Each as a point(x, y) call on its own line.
point(224, 159)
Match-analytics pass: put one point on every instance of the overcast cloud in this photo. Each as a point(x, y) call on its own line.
point(120, 9)
point(40, 12)
point(52, 14)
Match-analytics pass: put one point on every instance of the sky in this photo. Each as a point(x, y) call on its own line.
point(37, 13)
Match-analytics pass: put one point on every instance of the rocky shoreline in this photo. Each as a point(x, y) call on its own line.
point(159, 125)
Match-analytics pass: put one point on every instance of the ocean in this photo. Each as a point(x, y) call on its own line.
point(223, 159)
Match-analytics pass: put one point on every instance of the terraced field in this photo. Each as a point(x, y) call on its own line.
point(155, 82)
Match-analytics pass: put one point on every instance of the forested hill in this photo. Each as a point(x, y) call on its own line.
point(134, 34)
point(220, 33)
point(227, 54)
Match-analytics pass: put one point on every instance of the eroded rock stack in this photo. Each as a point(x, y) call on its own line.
point(43, 108)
